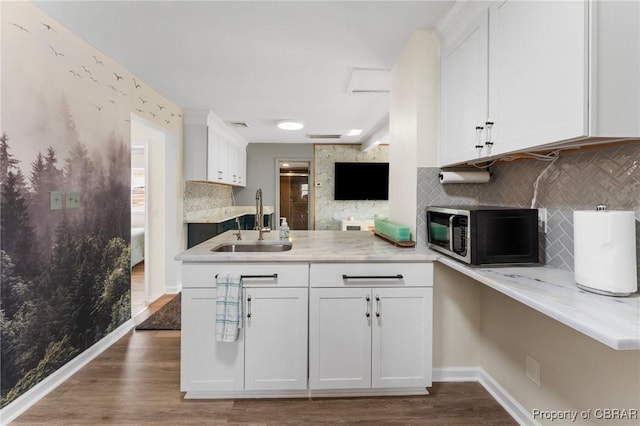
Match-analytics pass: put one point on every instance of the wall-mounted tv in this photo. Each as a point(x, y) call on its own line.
point(361, 181)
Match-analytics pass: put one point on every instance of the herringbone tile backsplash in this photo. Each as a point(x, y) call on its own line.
point(576, 181)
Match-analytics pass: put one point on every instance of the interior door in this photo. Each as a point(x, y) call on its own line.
point(295, 193)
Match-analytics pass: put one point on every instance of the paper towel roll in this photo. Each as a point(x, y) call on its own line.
point(605, 251)
point(465, 177)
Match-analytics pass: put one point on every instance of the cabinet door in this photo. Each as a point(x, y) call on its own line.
point(464, 91)
point(401, 342)
point(538, 76)
point(207, 365)
point(339, 338)
point(276, 338)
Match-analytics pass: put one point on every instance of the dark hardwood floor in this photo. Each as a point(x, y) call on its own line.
point(137, 380)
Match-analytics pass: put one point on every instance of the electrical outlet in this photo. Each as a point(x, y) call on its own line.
point(72, 200)
point(542, 220)
point(533, 370)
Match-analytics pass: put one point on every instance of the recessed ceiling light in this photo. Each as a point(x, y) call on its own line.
point(290, 125)
point(354, 132)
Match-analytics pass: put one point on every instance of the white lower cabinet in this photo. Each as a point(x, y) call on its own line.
point(339, 338)
point(207, 365)
point(322, 329)
point(370, 338)
point(275, 338)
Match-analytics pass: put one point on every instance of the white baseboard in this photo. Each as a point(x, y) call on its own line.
point(500, 394)
point(39, 391)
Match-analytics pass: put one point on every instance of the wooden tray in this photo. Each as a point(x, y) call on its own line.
point(394, 242)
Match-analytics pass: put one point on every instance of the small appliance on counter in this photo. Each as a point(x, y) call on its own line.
point(484, 235)
point(605, 251)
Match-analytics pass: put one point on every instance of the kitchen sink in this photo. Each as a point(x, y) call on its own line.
point(253, 246)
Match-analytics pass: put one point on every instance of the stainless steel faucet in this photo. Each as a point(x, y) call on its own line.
point(260, 215)
point(239, 233)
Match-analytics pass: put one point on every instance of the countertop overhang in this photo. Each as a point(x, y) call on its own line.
point(613, 321)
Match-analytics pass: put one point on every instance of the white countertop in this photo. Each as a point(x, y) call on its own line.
point(221, 214)
point(312, 246)
point(613, 321)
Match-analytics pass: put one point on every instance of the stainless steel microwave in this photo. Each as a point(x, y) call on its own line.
point(484, 235)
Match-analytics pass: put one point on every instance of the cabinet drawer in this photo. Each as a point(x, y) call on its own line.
point(254, 274)
point(371, 274)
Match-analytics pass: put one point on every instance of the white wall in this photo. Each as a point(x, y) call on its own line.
point(262, 171)
point(413, 123)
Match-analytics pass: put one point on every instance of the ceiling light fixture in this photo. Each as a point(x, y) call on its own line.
point(354, 132)
point(290, 125)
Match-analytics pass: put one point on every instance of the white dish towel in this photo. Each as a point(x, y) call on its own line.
point(228, 307)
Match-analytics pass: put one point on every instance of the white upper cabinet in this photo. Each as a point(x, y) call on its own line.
point(559, 73)
point(538, 73)
point(213, 151)
point(226, 153)
point(465, 63)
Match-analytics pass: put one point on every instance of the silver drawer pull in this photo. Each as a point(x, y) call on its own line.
point(274, 276)
point(372, 277)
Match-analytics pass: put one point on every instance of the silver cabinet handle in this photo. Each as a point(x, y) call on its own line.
point(479, 144)
point(372, 277)
point(377, 306)
point(368, 313)
point(489, 142)
point(249, 306)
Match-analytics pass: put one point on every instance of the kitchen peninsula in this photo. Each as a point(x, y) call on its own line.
point(365, 283)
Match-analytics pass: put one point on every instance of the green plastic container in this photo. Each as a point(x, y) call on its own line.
point(392, 230)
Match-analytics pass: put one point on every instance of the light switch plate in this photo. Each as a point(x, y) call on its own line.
point(55, 200)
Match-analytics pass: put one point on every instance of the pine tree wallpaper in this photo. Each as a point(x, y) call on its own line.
point(65, 195)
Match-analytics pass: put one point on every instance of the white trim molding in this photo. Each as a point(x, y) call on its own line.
point(500, 394)
point(39, 391)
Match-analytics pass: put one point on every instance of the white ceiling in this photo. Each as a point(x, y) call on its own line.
point(258, 61)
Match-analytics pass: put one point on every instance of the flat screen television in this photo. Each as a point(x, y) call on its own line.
point(361, 181)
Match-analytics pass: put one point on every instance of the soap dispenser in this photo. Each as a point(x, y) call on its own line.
point(284, 229)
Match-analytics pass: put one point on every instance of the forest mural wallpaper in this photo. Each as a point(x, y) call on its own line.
point(65, 195)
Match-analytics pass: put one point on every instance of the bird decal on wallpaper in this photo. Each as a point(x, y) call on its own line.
point(55, 52)
point(163, 114)
point(21, 28)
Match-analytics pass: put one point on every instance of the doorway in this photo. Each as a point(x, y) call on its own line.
point(295, 193)
point(139, 165)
